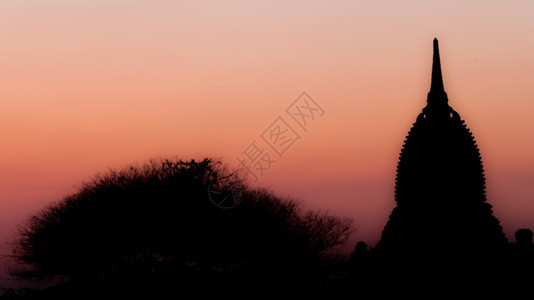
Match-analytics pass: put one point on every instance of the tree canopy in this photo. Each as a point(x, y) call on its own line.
point(157, 225)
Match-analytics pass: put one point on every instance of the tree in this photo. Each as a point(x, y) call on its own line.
point(154, 226)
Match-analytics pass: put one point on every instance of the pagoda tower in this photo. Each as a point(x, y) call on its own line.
point(440, 185)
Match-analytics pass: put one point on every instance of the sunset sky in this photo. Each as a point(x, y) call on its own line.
point(90, 85)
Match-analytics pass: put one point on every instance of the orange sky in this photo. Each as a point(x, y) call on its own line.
point(91, 85)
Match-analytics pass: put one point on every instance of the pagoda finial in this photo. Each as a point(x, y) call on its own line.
point(437, 103)
point(437, 79)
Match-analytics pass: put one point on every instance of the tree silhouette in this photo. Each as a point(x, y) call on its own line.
point(152, 227)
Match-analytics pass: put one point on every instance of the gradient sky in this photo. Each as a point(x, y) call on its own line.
point(90, 85)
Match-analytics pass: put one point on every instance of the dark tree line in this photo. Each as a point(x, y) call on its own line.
point(152, 229)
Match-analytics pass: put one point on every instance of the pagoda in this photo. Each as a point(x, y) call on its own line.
point(441, 206)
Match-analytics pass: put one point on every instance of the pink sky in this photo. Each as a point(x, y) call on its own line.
point(91, 85)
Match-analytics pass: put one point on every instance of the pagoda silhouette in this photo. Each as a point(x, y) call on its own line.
point(441, 209)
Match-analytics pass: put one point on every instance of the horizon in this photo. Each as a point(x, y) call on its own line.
point(104, 84)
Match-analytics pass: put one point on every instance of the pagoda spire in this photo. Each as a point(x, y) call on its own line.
point(437, 80)
point(437, 102)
